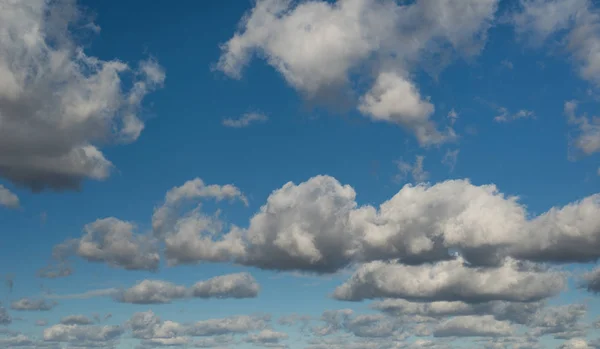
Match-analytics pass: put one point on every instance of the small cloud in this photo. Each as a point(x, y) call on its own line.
point(415, 170)
point(246, 120)
point(450, 158)
point(453, 116)
point(506, 116)
point(507, 64)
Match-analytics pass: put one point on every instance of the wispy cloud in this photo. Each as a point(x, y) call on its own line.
point(246, 120)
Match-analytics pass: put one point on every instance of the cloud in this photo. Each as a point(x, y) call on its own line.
point(153, 331)
point(561, 321)
point(576, 22)
point(506, 116)
point(29, 304)
point(450, 281)
point(473, 326)
point(587, 136)
point(112, 241)
point(514, 312)
point(86, 295)
point(416, 171)
point(76, 320)
point(152, 292)
point(58, 105)
point(358, 37)
point(450, 158)
point(5, 318)
point(317, 226)
point(83, 336)
point(230, 325)
point(397, 100)
point(8, 198)
point(165, 217)
point(240, 285)
point(246, 120)
point(266, 337)
point(575, 343)
point(16, 341)
point(54, 272)
point(372, 326)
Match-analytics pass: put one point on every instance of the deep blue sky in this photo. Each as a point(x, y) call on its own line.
point(535, 157)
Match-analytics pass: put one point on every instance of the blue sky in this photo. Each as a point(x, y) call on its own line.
point(308, 174)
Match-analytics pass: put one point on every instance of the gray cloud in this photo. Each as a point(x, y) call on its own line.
point(112, 241)
point(5, 318)
point(76, 320)
point(58, 104)
point(267, 337)
point(8, 198)
point(83, 336)
point(152, 292)
point(29, 304)
point(586, 136)
point(473, 326)
point(240, 285)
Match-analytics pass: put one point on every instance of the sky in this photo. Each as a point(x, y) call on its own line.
point(363, 174)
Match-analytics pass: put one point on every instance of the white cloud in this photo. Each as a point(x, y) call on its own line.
point(506, 116)
point(240, 285)
point(395, 99)
point(587, 137)
point(577, 20)
point(58, 104)
point(112, 241)
point(8, 198)
point(165, 216)
point(317, 45)
point(152, 292)
point(450, 281)
point(473, 326)
point(246, 120)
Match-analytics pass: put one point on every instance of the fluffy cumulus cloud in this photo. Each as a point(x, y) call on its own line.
point(450, 281)
point(114, 242)
point(318, 226)
point(58, 105)
point(317, 45)
point(267, 337)
point(240, 285)
point(152, 292)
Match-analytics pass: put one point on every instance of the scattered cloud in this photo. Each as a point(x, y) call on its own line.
point(29, 304)
point(450, 158)
point(246, 120)
point(416, 170)
point(506, 116)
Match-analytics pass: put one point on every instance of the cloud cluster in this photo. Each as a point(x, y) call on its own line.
point(58, 105)
point(317, 45)
point(241, 285)
point(318, 226)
